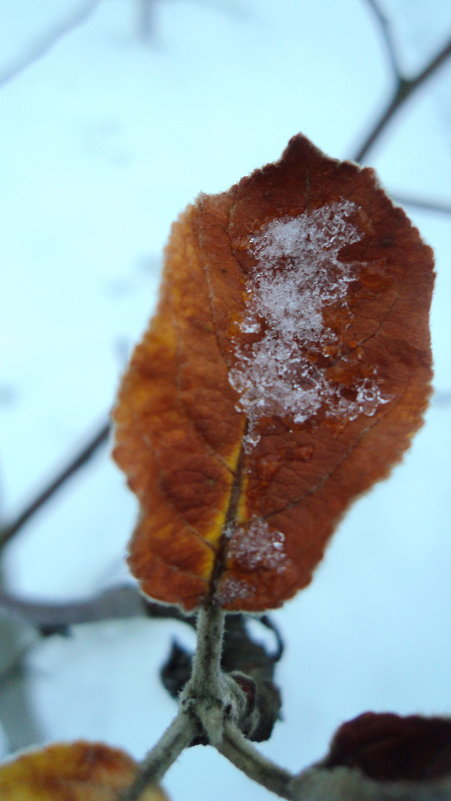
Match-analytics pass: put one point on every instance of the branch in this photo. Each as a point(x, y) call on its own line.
point(441, 397)
point(387, 37)
point(218, 709)
point(145, 14)
point(117, 603)
point(177, 737)
point(211, 697)
point(42, 47)
point(421, 203)
point(238, 750)
point(404, 86)
point(206, 671)
point(8, 531)
point(202, 704)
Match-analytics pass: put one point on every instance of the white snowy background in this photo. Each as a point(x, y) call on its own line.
point(104, 140)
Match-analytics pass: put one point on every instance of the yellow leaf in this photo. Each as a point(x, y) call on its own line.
point(77, 771)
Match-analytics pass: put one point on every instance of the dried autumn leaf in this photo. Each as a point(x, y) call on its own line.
point(77, 771)
point(388, 747)
point(286, 369)
point(383, 757)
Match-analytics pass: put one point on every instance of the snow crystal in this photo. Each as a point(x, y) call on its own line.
point(286, 306)
point(232, 589)
point(257, 546)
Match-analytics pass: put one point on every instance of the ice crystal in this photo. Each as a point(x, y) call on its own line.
point(257, 546)
point(298, 274)
point(232, 589)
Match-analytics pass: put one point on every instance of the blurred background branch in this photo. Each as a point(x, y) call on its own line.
point(403, 88)
point(81, 458)
point(41, 47)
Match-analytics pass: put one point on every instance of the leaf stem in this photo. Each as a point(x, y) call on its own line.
point(211, 697)
point(206, 672)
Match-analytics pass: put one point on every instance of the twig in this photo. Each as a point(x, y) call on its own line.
point(145, 14)
point(41, 48)
point(8, 531)
point(116, 603)
point(441, 397)
point(207, 659)
point(212, 697)
point(403, 89)
point(177, 737)
point(246, 758)
point(199, 703)
point(421, 203)
point(387, 37)
point(216, 708)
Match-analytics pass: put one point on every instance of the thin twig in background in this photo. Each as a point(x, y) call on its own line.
point(441, 398)
point(145, 13)
point(8, 531)
point(404, 86)
point(423, 204)
point(389, 41)
point(42, 47)
point(117, 603)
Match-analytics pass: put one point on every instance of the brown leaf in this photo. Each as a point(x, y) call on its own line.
point(383, 757)
point(78, 771)
point(285, 371)
point(388, 747)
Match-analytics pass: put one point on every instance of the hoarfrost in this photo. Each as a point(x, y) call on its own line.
point(257, 546)
point(232, 589)
point(272, 375)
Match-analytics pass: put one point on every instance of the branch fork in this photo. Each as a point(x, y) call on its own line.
point(215, 709)
point(211, 697)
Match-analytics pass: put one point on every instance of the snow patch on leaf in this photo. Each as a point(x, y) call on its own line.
point(232, 589)
point(257, 546)
point(298, 274)
point(252, 547)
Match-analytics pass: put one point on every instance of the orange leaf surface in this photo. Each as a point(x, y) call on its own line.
point(77, 771)
point(285, 370)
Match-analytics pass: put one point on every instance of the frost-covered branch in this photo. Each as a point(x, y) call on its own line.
point(42, 46)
